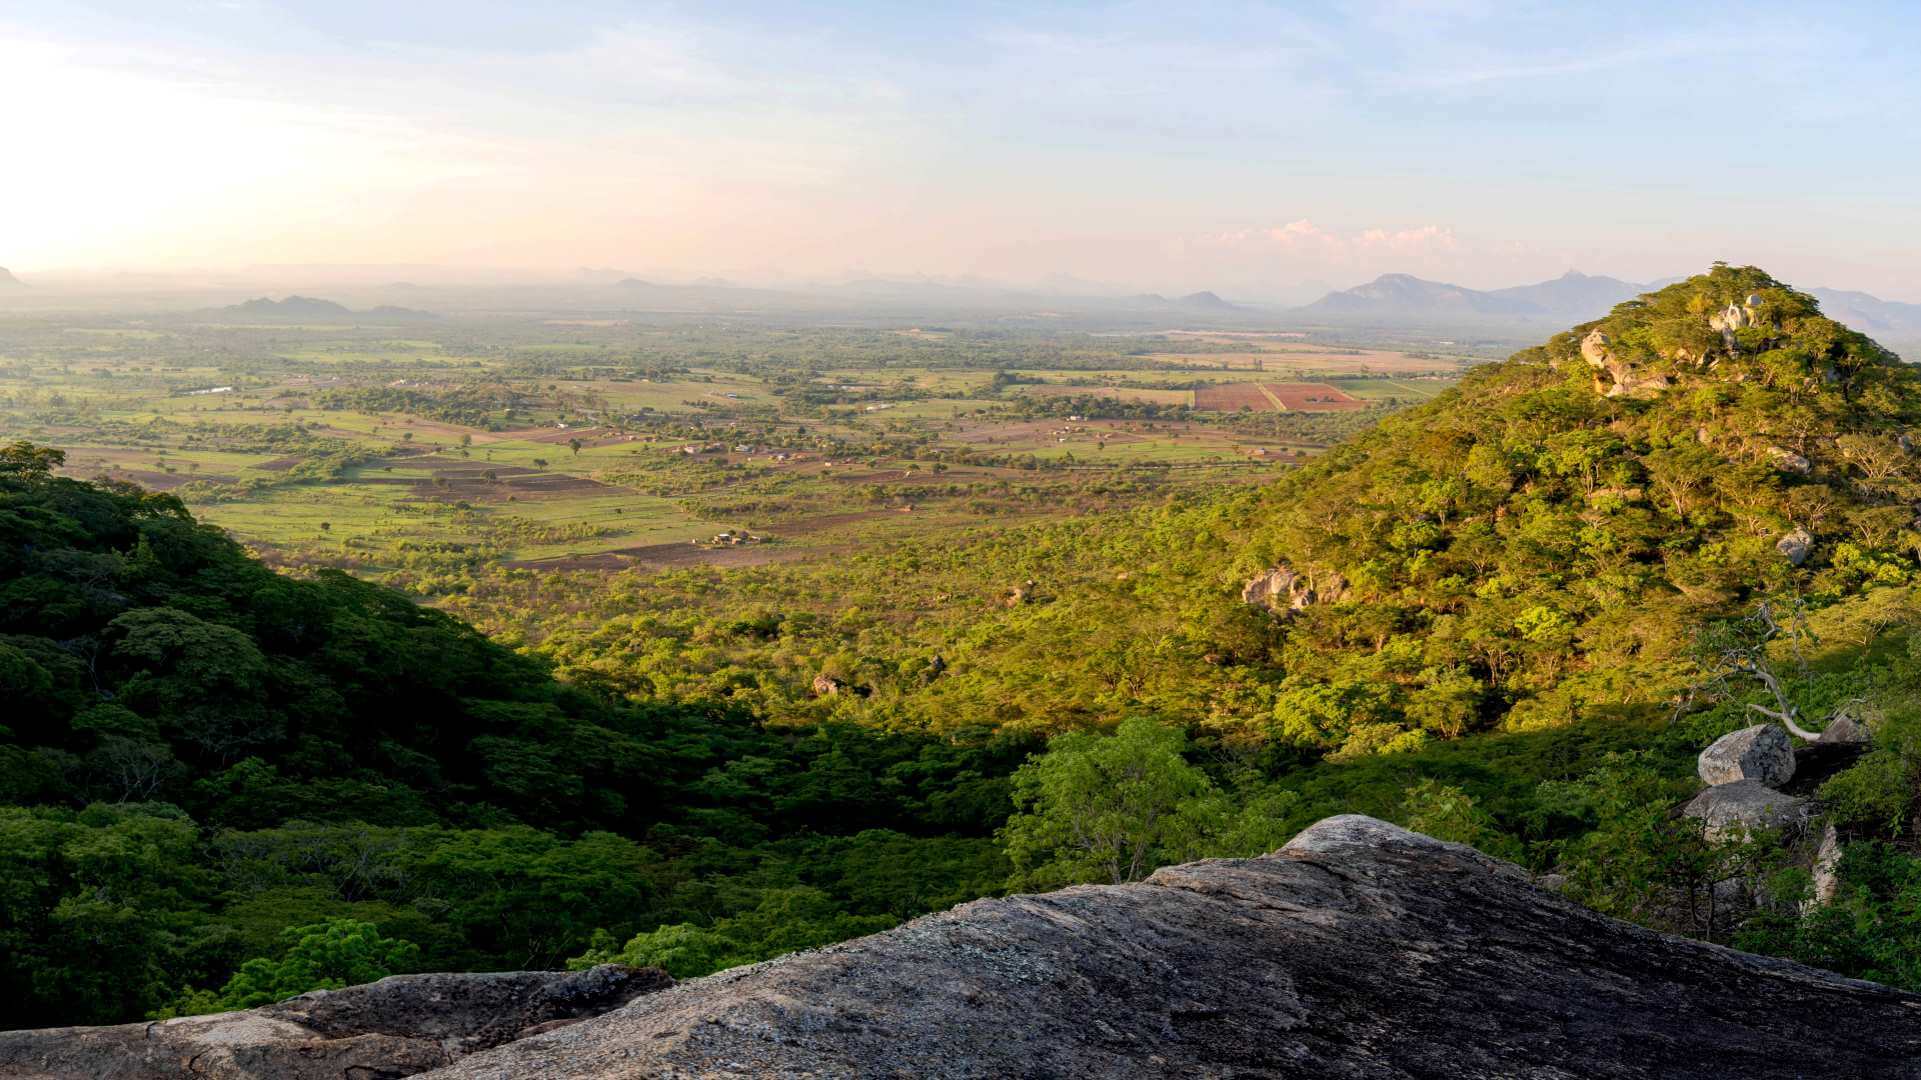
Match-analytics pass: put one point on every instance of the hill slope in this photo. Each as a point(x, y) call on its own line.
point(198, 754)
point(1516, 547)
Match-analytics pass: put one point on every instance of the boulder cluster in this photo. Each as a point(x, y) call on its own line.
point(1745, 771)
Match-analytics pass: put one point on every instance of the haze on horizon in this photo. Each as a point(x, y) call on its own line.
point(1257, 150)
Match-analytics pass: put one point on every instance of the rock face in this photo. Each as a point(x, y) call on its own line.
point(1761, 753)
point(1283, 590)
point(1789, 462)
point(1795, 545)
point(1827, 868)
point(1732, 811)
point(1360, 950)
point(1844, 729)
point(396, 1027)
point(1614, 375)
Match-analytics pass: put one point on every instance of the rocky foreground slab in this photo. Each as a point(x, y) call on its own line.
point(1359, 950)
point(400, 1026)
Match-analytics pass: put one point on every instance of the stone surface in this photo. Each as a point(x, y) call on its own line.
point(1762, 752)
point(1846, 730)
point(1789, 462)
point(1615, 376)
point(1827, 867)
point(1282, 590)
point(1794, 545)
point(1731, 811)
point(396, 1027)
point(1360, 950)
point(1594, 348)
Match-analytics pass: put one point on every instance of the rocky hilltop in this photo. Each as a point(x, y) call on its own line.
point(1358, 950)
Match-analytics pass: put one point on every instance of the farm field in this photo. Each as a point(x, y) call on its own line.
point(553, 443)
point(1278, 397)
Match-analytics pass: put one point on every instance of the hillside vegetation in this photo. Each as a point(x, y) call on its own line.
point(203, 762)
point(220, 784)
point(1522, 552)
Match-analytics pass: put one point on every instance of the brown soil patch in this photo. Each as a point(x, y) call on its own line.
point(1275, 397)
point(1314, 397)
point(1233, 397)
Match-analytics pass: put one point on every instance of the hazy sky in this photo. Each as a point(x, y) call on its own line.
point(1236, 146)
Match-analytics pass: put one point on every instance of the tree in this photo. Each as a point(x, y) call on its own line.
point(321, 956)
point(27, 461)
point(1108, 807)
point(574, 445)
point(1737, 649)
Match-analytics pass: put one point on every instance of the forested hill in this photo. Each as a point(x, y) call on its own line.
point(146, 656)
point(1542, 540)
point(205, 763)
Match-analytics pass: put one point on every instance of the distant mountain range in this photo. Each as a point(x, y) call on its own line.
point(1870, 314)
point(1402, 297)
point(313, 309)
point(1200, 301)
point(8, 281)
point(1572, 297)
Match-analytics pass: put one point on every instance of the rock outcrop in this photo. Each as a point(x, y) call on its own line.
point(1794, 545)
point(1282, 590)
point(396, 1027)
point(1827, 868)
point(1360, 950)
point(1845, 730)
point(1788, 461)
point(1761, 753)
point(1740, 809)
point(1616, 376)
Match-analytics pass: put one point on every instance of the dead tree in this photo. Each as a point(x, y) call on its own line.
point(1737, 651)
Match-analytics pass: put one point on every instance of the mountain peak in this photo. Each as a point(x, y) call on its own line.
point(1207, 300)
point(1715, 326)
point(8, 281)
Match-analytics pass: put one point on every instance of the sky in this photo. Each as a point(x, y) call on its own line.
point(1254, 149)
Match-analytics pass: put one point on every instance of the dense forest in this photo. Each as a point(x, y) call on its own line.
point(220, 784)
